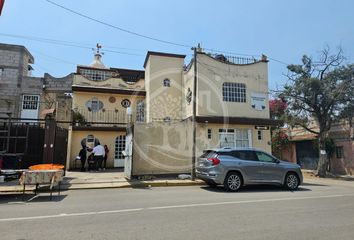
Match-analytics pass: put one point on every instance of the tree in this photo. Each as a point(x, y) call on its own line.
point(319, 91)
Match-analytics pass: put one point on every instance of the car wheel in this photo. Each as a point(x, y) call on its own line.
point(233, 182)
point(291, 181)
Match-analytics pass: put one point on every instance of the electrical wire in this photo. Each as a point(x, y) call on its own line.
point(116, 27)
point(139, 34)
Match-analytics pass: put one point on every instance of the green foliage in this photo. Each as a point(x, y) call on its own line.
point(280, 141)
point(78, 118)
point(322, 91)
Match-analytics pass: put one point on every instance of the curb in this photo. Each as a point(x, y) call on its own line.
point(106, 185)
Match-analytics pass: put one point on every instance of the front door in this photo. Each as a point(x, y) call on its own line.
point(118, 149)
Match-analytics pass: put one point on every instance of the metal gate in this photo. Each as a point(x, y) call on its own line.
point(21, 142)
point(55, 143)
point(307, 154)
point(128, 155)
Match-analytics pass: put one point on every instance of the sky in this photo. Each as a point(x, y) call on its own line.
point(284, 30)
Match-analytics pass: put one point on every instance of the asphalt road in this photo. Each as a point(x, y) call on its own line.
point(318, 210)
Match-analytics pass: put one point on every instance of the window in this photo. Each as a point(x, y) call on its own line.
point(234, 92)
point(94, 104)
point(30, 102)
point(242, 138)
point(95, 75)
point(1, 71)
point(166, 82)
point(119, 147)
point(234, 138)
point(125, 103)
point(140, 111)
point(339, 152)
point(209, 133)
point(264, 157)
point(227, 137)
point(259, 135)
point(90, 141)
point(245, 155)
point(167, 119)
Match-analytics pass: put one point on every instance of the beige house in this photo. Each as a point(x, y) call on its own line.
point(232, 104)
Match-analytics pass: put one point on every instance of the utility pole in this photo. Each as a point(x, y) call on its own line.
point(194, 124)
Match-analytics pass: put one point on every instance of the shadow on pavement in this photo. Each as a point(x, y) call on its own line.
point(28, 198)
point(255, 188)
point(314, 184)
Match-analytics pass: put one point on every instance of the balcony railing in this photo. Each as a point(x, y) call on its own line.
point(105, 117)
point(233, 59)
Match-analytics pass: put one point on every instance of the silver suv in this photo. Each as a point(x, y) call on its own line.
point(236, 167)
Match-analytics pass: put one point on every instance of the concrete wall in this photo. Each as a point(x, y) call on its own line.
point(164, 101)
point(211, 76)
point(105, 137)
point(162, 148)
point(14, 62)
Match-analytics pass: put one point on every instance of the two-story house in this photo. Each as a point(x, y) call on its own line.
point(232, 101)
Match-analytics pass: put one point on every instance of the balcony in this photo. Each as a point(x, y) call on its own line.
point(104, 118)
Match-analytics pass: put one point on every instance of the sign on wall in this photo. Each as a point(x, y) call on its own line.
point(258, 101)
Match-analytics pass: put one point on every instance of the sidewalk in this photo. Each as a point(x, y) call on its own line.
point(313, 174)
point(74, 180)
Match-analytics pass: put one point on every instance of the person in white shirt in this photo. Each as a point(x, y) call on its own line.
point(98, 155)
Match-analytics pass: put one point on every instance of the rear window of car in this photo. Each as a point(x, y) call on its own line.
point(205, 153)
point(228, 153)
point(212, 154)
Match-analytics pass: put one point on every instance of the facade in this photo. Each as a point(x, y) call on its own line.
point(303, 148)
point(232, 102)
point(30, 97)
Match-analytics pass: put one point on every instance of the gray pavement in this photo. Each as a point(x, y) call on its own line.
point(321, 209)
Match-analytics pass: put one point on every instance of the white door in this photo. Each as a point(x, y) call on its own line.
point(30, 106)
point(119, 147)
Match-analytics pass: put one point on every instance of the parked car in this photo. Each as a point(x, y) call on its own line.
point(236, 167)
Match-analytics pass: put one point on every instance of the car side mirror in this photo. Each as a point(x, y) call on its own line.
point(277, 161)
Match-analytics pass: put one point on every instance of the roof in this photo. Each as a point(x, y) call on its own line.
point(108, 90)
point(13, 47)
point(238, 120)
point(162, 54)
point(128, 75)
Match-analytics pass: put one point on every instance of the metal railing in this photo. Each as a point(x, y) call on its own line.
point(105, 117)
point(233, 59)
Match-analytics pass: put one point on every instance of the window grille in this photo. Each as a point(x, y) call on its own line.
point(95, 75)
point(140, 111)
point(167, 82)
point(119, 147)
point(234, 92)
point(30, 102)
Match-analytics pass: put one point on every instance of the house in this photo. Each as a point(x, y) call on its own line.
point(28, 97)
point(303, 147)
point(25, 103)
point(232, 104)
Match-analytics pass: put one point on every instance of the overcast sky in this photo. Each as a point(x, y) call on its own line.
point(282, 30)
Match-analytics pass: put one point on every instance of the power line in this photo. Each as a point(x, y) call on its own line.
point(149, 37)
point(66, 43)
point(116, 27)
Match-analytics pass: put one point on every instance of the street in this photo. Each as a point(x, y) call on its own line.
point(320, 209)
